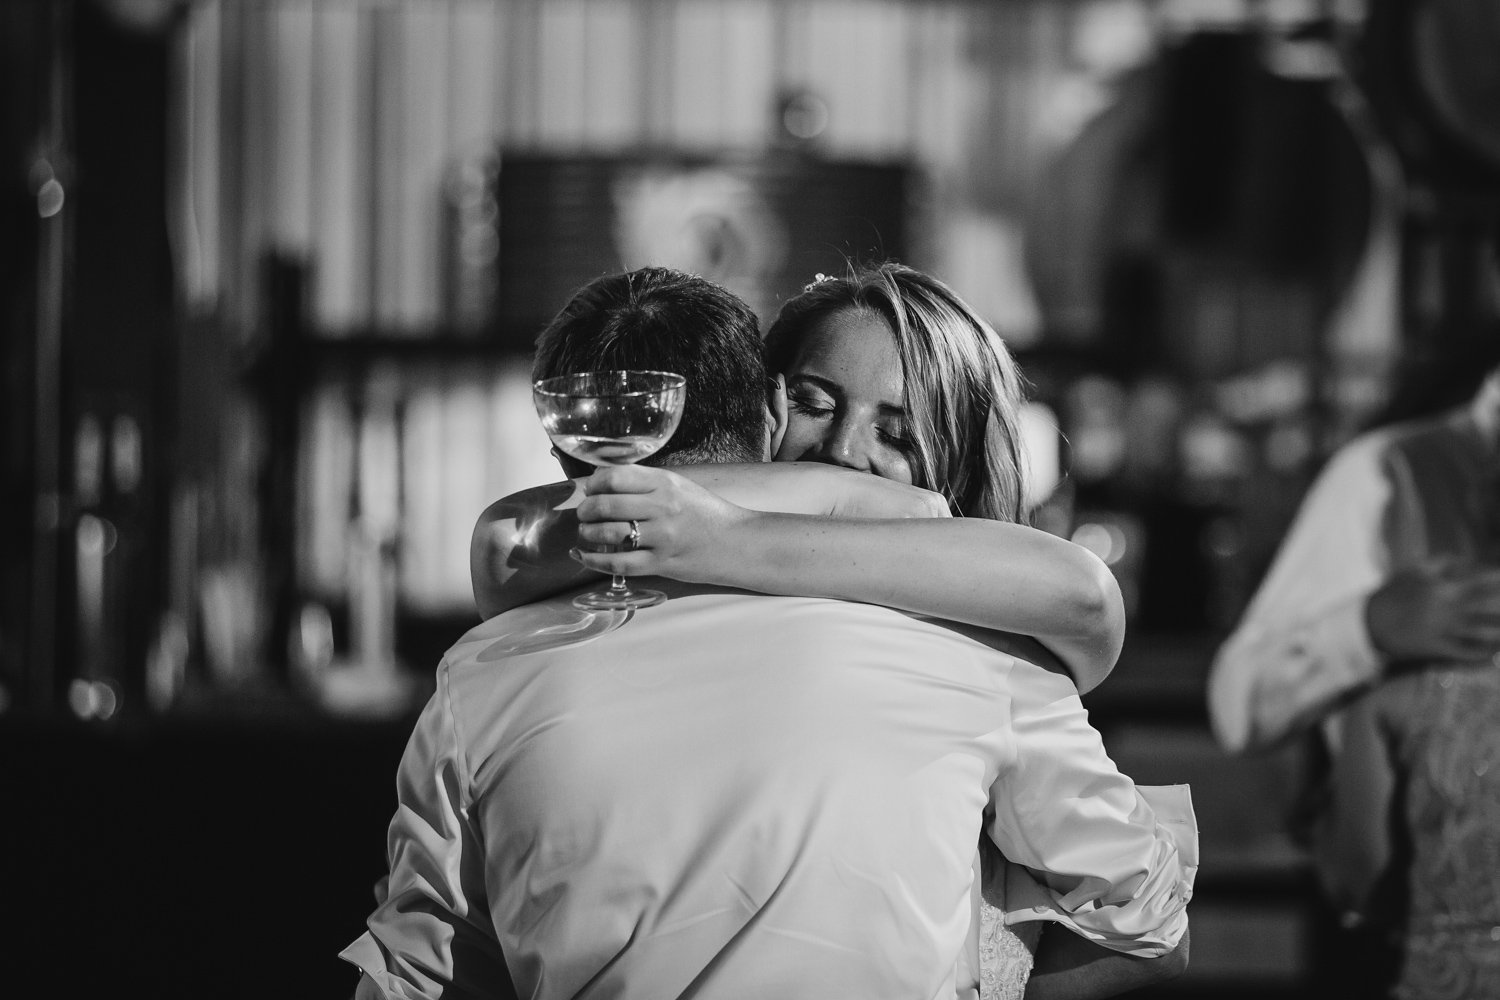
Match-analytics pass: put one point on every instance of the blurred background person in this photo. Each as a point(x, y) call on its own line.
point(1409, 845)
point(1386, 593)
point(1390, 562)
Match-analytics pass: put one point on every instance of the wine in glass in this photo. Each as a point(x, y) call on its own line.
point(611, 418)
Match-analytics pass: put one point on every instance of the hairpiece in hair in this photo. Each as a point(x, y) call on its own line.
point(818, 279)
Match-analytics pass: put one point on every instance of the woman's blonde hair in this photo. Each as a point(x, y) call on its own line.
point(964, 391)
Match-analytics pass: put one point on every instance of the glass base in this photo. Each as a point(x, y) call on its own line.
point(625, 599)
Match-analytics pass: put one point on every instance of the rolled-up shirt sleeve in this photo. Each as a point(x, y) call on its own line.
point(1113, 861)
point(432, 935)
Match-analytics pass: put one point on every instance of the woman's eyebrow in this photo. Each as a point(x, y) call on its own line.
point(828, 385)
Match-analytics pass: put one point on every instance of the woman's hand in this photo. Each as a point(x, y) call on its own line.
point(518, 551)
point(682, 530)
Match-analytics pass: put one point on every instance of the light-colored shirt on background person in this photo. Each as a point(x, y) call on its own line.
point(1415, 495)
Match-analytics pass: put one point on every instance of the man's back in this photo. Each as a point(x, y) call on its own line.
point(727, 795)
point(775, 793)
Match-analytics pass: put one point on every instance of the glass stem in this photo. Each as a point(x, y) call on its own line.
point(616, 584)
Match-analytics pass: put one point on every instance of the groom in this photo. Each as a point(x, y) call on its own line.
point(734, 794)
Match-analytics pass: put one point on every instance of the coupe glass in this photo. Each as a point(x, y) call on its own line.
point(611, 418)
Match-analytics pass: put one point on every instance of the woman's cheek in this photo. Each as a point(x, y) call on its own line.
point(897, 468)
point(796, 442)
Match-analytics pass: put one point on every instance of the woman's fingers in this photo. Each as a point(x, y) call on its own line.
point(620, 507)
point(625, 479)
point(624, 492)
point(614, 533)
point(678, 524)
point(625, 563)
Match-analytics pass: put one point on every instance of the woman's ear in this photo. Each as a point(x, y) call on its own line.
point(775, 413)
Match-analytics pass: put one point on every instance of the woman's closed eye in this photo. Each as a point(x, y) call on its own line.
point(810, 404)
point(897, 437)
point(814, 404)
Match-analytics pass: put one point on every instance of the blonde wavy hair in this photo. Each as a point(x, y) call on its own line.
point(964, 391)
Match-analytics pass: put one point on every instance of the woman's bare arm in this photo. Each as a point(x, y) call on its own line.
point(1007, 577)
point(755, 527)
point(519, 549)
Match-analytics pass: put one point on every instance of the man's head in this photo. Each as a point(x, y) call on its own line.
point(666, 320)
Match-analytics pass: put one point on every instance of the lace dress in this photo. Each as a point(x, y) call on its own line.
point(1442, 728)
point(1005, 953)
point(1004, 956)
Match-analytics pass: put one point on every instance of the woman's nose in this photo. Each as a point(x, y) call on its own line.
point(847, 446)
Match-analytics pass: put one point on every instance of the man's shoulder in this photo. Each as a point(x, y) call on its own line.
point(1404, 435)
point(1367, 455)
point(1444, 424)
point(1429, 448)
point(554, 623)
point(698, 614)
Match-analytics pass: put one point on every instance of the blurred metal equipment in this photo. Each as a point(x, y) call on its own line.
point(760, 224)
point(1430, 68)
point(1430, 72)
point(1208, 219)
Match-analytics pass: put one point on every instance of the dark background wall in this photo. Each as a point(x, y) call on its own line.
point(210, 858)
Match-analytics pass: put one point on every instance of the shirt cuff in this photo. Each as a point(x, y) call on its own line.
point(366, 955)
point(1173, 805)
point(1149, 924)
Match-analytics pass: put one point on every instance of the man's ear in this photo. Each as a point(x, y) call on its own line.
point(775, 413)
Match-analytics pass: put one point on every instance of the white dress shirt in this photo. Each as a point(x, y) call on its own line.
point(734, 795)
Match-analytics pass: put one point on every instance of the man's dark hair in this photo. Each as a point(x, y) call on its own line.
point(665, 320)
